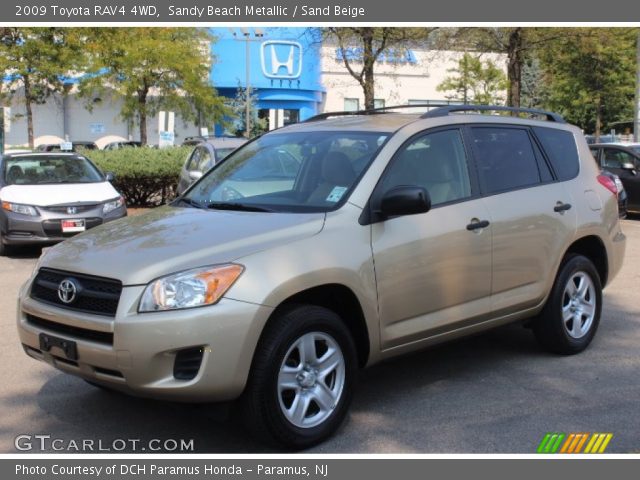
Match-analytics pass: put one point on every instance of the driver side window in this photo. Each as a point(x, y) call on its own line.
point(435, 161)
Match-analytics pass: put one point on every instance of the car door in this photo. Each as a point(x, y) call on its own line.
point(433, 270)
point(619, 161)
point(531, 214)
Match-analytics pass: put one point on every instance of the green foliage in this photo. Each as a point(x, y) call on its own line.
point(238, 107)
point(475, 81)
point(590, 76)
point(33, 60)
point(153, 69)
point(144, 176)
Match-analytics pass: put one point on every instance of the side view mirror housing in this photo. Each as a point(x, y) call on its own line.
point(195, 175)
point(628, 166)
point(405, 200)
point(110, 176)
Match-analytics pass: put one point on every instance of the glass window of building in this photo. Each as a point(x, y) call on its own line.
point(351, 104)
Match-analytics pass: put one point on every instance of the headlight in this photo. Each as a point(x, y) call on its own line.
point(111, 205)
point(192, 288)
point(18, 208)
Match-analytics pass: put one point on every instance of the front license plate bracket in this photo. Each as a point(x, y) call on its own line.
point(69, 347)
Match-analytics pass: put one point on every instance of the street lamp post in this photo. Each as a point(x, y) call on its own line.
point(258, 33)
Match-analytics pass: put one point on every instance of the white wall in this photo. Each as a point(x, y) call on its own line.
point(395, 84)
point(48, 122)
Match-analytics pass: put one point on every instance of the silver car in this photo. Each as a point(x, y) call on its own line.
point(47, 197)
point(204, 156)
point(389, 233)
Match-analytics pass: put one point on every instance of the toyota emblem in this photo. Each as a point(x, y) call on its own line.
point(67, 290)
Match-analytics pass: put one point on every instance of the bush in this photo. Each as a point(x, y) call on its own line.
point(146, 177)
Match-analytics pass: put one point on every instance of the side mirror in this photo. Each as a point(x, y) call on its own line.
point(628, 166)
point(405, 200)
point(195, 175)
point(110, 176)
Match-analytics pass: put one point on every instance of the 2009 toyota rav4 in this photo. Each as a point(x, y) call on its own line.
point(272, 281)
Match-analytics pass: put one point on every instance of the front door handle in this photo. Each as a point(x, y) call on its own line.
point(561, 207)
point(477, 224)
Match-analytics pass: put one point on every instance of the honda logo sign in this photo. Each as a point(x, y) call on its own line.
point(281, 59)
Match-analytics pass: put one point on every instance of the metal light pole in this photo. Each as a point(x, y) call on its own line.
point(247, 98)
point(258, 33)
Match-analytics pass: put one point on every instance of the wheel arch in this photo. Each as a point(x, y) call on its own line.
point(341, 300)
point(593, 248)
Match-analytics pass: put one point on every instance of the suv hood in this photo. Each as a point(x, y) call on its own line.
point(59, 193)
point(166, 240)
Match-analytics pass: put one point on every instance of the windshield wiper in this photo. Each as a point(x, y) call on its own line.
point(237, 206)
point(188, 201)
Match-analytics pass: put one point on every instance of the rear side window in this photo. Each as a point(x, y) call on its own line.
point(505, 158)
point(561, 149)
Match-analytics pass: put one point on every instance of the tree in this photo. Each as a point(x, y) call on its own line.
point(590, 76)
point(519, 44)
point(36, 60)
point(238, 107)
point(361, 47)
point(152, 69)
point(475, 81)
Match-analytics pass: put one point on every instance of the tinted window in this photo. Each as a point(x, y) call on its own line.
point(435, 161)
point(505, 158)
point(614, 158)
point(194, 160)
point(561, 149)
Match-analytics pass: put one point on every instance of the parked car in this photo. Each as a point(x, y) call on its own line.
point(622, 193)
point(204, 156)
point(122, 144)
point(47, 197)
point(623, 161)
point(59, 147)
point(396, 232)
point(194, 140)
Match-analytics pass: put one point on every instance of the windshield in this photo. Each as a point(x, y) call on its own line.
point(38, 170)
point(288, 172)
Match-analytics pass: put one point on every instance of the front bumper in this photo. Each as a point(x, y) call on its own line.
point(18, 229)
point(141, 357)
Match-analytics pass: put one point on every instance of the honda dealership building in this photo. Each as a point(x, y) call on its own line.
point(293, 73)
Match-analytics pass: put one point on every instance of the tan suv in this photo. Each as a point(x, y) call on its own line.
point(394, 232)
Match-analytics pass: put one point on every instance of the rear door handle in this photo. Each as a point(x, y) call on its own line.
point(561, 207)
point(477, 224)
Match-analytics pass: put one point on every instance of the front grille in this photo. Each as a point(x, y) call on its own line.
point(53, 228)
point(69, 331)
point(64, 208)
point(95, 295)
point(187, 364)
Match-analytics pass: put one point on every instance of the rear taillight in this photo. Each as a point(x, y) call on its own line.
point(608, 184)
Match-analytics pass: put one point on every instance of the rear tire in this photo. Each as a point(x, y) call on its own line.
point(302, 376)
point(570, 318)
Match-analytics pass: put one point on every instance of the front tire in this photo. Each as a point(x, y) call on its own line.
point(570, 318)
point(302, 377)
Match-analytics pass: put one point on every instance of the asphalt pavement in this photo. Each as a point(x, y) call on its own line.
point(493, 393)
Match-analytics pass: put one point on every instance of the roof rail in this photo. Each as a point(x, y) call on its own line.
point(372, 111)
point(447, 109)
